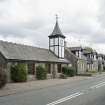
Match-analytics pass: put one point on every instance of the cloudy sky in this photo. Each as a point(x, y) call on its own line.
point(31, 21)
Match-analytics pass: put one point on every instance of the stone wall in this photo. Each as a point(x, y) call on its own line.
point(72, 58)
point(54, 70)
point(95, 65)
point(8, 71)
point(81, 66)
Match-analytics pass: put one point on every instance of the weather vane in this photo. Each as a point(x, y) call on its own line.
point(56, 17)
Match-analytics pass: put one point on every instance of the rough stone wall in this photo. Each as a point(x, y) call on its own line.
point(72, 58)
point(8, 71)
point(54, 70)
point(2, 59)
point(90, 67)
point(82, 66)
point(3, 65)
point(95, 65)
point(62, 65)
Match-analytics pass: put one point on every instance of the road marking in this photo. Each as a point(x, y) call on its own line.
point(75, 95)
point(98, 85)
point(66, 98)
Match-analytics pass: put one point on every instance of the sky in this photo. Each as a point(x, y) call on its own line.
point(32, 21)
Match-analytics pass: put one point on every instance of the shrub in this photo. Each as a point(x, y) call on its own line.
point(63, 76)
point(41, 73)
point(65, 70)
point(19, 73)
point(69, 71)
point(3, 78)
point(72, 71)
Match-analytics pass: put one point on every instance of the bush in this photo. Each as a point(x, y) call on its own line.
point(69, 71)
point(41, 73)
point(72, 71)
point(19, 73)
point(3, 78)
point(63, 76)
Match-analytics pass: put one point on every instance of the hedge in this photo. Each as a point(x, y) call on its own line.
point(41, 73)
point(69, 71)
point(19, 73)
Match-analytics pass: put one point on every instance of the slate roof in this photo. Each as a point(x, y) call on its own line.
point(12, 51)
point(70, 53)
point(75, 48)
point(100, 55)
point(87, 52)
point(56, 32)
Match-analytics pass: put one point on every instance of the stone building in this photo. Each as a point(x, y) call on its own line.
point(101, 62)
point(53, 58)
point(92, 62)
point(77, 58)
point(83, 60)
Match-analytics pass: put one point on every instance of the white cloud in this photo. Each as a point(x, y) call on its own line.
point(31, 21)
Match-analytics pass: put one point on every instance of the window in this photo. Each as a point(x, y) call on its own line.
point(51, 42)
point(48, 68)
point(56, 41)
point(59, 68)
point(31, 68)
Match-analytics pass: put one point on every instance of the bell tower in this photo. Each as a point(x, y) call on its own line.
point(56, 41)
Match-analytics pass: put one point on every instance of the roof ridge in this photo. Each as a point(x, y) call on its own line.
point(20, 44)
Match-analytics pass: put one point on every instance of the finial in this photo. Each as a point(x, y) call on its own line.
point(56, 18)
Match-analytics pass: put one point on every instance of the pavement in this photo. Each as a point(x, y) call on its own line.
point(13, 88)
point(72, 91)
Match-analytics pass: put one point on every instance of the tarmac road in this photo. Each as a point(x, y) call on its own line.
point(83, 92)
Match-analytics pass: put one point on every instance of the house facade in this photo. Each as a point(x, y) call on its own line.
point(101, 62)
point(83, 60)
point(92, 62)
point(80, 63)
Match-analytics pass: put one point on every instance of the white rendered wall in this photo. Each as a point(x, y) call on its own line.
point(77, 53)
point(56, 50)
point(56, 41)
point(51, 42)
point(52, 49)
point(62, 52)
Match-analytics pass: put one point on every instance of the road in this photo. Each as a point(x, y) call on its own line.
point(83, 92)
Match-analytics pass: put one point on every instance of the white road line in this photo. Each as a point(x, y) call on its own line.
point(75, 95)
point(98, 85)
point(65, 98)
